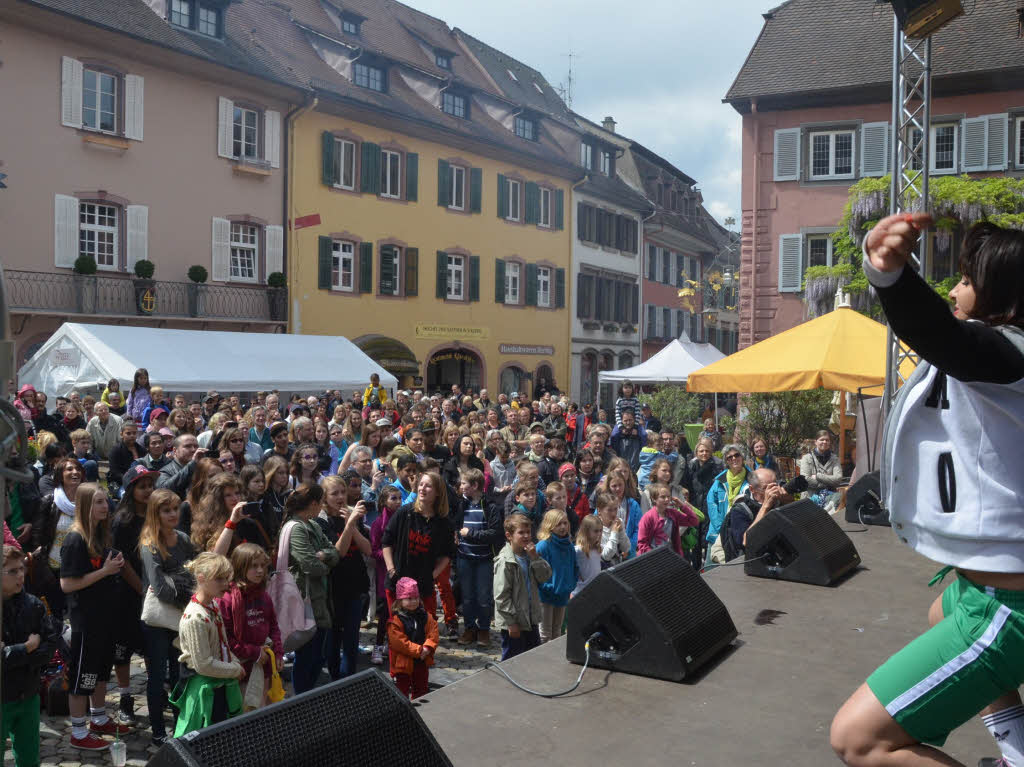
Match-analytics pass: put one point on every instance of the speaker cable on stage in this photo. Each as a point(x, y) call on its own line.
point(586, 662)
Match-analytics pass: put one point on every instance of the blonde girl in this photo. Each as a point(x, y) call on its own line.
point(211, 694)
point(556, 548)
point(588, 550)
point(87, 564)
point(164, 550)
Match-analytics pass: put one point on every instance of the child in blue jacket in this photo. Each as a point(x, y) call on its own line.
point(557, 550)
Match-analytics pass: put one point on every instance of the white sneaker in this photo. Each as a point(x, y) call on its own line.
point(377, 656)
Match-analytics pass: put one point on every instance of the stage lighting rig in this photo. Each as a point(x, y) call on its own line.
point(921, 18)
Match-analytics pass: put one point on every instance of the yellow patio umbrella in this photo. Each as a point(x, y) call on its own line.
point(839, 351)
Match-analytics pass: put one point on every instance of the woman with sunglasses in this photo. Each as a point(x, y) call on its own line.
point(727, 487)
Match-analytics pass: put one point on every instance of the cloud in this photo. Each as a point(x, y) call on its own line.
point(660, 70)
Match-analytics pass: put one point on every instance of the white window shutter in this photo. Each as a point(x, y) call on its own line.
point(71, 92)
point(221, 250)
point(133, 103)
point(790, 263)
point(998, 141)
point(65, 230)
point(272, 138)
point(874, 149)
point(225, 126)
point(787, 154)
point(275, 249)
point(974, 156)
point(138, 234)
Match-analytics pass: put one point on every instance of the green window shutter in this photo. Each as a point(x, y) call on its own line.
point(329, 148)
point(412, 177)
point(502, 196)
point(366, 267)
point(370, 172)
point(559, 288)
point(476, 189)
point(442, 275)
point(387, 270)
point(559, 209)
point(444, 183)
point(532, 202)
point(324, 262)
point(531, 285)
point(412, 271)
point(474, 278)
point(499, 281)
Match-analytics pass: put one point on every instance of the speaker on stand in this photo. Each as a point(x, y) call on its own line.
point(655, 616)
point(799, 542)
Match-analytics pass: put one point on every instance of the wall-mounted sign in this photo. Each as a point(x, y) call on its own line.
point(525, 349)
point(65, 357)
point(440, 330)
point(454, 357)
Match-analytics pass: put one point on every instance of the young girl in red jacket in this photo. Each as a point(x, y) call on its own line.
point(412, 640)
point(249, 618)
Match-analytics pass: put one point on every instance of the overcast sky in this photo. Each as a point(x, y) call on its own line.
point(659, 67)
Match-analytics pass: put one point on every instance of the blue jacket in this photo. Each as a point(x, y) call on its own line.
point(718, 504)
point(565, 570)
point(629, 447)
point(648, 457)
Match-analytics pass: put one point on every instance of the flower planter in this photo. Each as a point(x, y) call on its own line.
point(85, 293)
point(196, 299)
point(277, 300)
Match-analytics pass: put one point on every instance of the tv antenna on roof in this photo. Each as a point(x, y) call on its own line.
point(565, 88)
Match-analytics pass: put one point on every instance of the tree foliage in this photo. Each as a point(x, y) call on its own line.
point(784, 419)
point(674, 406)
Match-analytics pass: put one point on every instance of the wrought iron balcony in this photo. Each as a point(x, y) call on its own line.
point(99, 295)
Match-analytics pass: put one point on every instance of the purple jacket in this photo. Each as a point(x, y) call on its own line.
point(137, 403)
point(376, 536)
point(652, 531)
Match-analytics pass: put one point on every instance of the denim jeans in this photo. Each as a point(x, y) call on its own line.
point(513, 646)
point(90, 470)
point(309, 660)
point(476, 582)
point(343, 639)
point(161, 665)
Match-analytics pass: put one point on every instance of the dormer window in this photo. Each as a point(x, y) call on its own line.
point(512, 75)
point(367, 76)
point(526, 128)
point(587, 156)
point(606, 162)
point(350, 25)
point(454, 104)
point(443, 60)
point(539, 89)
point(206, 18)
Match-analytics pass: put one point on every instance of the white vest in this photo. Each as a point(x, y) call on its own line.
point(953, 477)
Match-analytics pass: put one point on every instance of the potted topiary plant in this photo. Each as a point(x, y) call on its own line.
point(196, 290)
point(277, 296)
point(85, 284)
point(145, 287)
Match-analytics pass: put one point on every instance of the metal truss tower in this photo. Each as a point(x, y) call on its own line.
point(909, 161)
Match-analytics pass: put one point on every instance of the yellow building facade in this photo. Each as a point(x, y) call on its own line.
point(445, 264)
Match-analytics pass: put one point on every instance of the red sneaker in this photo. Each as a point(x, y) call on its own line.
point(110, 727)
point(89, 743)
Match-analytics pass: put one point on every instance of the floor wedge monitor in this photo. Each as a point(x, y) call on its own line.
point(653, 615)
point(799, 542)
point(361, 721)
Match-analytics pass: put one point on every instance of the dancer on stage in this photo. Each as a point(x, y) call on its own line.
point(954, 486)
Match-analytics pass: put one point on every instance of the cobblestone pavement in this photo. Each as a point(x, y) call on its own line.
point(452, 662)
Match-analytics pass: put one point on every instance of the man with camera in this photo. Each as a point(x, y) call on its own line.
point(763, 495)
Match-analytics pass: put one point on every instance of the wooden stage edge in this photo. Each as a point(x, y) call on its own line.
point(768, 700)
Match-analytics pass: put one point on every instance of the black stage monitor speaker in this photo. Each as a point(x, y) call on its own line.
point(656, 617)
point(864, 501)
point(361, 721)
point(920, 18)
point(799, 542)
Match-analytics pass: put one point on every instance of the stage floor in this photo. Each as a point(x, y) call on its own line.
point(767, 701)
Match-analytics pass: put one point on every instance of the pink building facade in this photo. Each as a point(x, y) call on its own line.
point(136, 137)
point(816, 122)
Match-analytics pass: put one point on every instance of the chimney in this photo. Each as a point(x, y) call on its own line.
point(608, 124)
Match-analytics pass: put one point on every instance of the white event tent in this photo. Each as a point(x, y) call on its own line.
point(673, 364)
point(83, 357)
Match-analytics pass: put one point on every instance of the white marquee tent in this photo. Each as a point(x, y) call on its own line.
point(673, 364)
point(83, 356)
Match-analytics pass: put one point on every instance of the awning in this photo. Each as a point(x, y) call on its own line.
point(673, 364)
